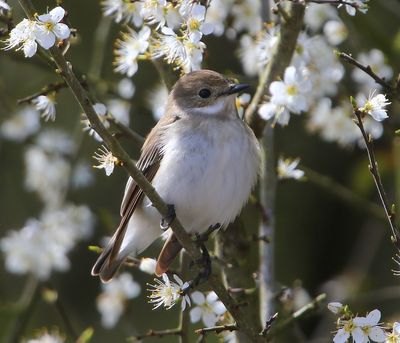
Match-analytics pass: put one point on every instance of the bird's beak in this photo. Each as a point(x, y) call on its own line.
point(236, 88)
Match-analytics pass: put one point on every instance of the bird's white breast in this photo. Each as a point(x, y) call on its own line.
point(208, 170)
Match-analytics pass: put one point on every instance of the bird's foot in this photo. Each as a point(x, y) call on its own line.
point(205, 264)
point(168, 219)
point(200, 239)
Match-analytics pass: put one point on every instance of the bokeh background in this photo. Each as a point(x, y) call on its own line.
point(323, 243)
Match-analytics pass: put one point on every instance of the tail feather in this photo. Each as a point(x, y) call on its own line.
point(106, 268)
point(171, 248)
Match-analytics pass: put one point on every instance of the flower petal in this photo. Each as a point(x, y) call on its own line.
point(373, 317)
point(198, 298)
point(57, 14)
point(359, 336)
point(209, 319)
point(62, 31)
point(377, 334)
point(341, 336)
point(195, 314)
point(219, 308)
point(45, 38)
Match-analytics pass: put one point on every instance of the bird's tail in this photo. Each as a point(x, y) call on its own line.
point(106, 268)
point(171, 248)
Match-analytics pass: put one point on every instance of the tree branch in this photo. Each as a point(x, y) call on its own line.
point(66, 71)
point(217, 329)
point(156, 334)
point(373, 168)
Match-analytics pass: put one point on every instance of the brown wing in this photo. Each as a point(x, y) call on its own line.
point(148, 163)
point(171, 248)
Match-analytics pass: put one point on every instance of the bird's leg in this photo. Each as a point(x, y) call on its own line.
point(169, 218)
point(202, 238)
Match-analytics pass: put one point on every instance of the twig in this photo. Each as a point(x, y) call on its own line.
point(368, 70)
point(342, 192)
point(331, 2)
point(305, 310)
point(373, 168)
point(126, 131)
point(66, 71)
point(217, 329)
point(53, 87)
point(156, 334)
point(268, 324)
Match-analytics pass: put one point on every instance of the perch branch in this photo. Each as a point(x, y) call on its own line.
point(217, 329)
point(156, 334)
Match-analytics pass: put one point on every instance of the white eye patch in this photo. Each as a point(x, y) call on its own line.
point(212, 109)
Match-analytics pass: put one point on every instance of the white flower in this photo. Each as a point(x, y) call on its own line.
point(335, 307)
point(82, 175)
point(127, 11)
point(195, 23)
point(335, 32)
point(119, 109)
point(394, 336)
point(246, 16)
point(46, 337)
point(291, 91)
point(360, 5)
point(270, 110)
point(23, 36)
point(375, 59)
point(4, 6)
point(54, 141)
point(287, 169)
point(30, 250)
point(217, 12)
point(166, 293)
point(375, 106)
point(157, 100)
point(249, 55)
point(50, 28)
point(129, 48)
point(148, 265)
point(318, 14)
point(111, 302)
point(208, 308)
point(126, 88)
point(46, 105)
point(21, 125)
point(368, 328)
point(107, 160)
point(101, 111)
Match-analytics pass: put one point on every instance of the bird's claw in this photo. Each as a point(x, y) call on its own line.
point(168, 219)
point(200, 239)
point(205, 262)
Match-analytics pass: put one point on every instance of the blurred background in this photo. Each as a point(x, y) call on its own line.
point(325, 241)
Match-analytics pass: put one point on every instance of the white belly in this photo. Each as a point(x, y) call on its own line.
point(207, 172)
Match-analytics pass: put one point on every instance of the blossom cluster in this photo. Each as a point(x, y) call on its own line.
point(362, 329)
point(45, 30)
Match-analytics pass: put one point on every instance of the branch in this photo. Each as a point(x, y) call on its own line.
point(126, 131)
point(157, 334)
point(331, 2)
point(268, 324)
point(217, 329)
point(368, 70)
point(373, 168)
point(53, 87)
point(305, 310)
point(280, 59)
point(66, 71)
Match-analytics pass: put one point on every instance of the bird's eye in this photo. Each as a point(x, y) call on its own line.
point(204, 93)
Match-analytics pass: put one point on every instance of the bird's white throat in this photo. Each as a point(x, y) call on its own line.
point(218, 106)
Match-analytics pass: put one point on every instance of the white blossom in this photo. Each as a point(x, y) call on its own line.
point(82, 175)
point(394, 336)
point(157, 100)
point(55, 141)
point(335, 32)
point(368, 328)
point(49, 28)
point(101, 111)
point(120, 110)
point(166, 293)
point(375, 59)
point(126, 88)
point(111, 302)
point(126, 11)
point(359, 5)
point(246, 16)
point(335, 307)
point(317, 14)
point(209, 308)
point(375, 106)
point(129, 48)
point(4, 6)
point(21, 125)
point(46, 105)
point(23, 36)
point(148, 265)
point(46, 337)
point(217, 13)
point(106, 159)
point(287, 169)
point(195, 23)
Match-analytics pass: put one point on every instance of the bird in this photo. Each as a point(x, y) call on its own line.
point(202, 159)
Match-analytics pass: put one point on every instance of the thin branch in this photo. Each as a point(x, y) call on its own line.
point(52, 87)
point(305, 310)
point(268, 324)
point(66, 71)
point(126, 131)
point(342, 192)
point(156, 334)
point(368, 70)
point(217, 329)
point(373, 168)
point(330, 2)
